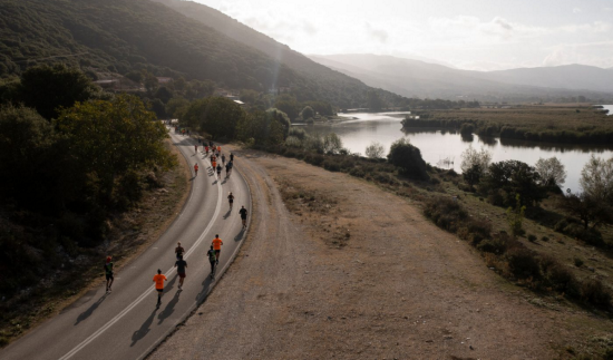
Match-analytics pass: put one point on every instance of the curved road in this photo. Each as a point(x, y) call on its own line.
point(126, 323)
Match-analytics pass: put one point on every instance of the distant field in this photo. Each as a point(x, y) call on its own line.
point(542, 123)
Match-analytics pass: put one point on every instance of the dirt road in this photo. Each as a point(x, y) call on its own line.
point(354, 272)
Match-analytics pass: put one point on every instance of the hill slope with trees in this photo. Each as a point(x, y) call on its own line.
point(135, 35)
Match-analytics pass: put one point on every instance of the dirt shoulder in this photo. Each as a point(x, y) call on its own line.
point(355, 272)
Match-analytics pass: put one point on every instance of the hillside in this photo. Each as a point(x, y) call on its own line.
point(120, 36)
point(416, 78)
point(331, 82)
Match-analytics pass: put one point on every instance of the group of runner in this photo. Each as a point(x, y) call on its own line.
point(213, 254)
point(216, 155)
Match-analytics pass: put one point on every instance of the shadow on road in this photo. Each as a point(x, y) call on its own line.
point(240, 235)
point(144, 329)
point(206, 286)
point(227, 215)
point(170, 308)
point(85, 314)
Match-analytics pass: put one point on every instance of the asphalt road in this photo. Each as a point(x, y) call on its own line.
point(126, 324)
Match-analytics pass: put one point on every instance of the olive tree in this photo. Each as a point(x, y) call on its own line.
point(475, 164)
point(375, 150)
point(597, 178)
point(551, 171)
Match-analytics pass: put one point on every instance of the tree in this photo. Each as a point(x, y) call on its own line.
point(515, 217)
point(474, 164)
point(597, 179)
point(408, 158)
point(47, 89)
point(375, 150)
point(112, 140)
point(307, 113)
point(551, 171)
point(164, 94)
point(216, 115)
point(332, 144)
point(513, 178)
point(588, 209)
point(176, 107)
point(263, 128)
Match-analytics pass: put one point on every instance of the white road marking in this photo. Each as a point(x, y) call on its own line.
point(169, 273)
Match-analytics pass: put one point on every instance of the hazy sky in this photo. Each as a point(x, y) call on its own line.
point(477, 34)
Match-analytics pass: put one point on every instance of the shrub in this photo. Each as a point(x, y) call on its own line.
point(544, 238)
point(357, 172)
point(532, 238)
point(331, 165)
point(578, 262)
point(594, 292)
point(522, 263)
point(445, 213)
point(293, 141)
point(496, 246)
point(314, 159)
point(561, 279)
point(408, 158)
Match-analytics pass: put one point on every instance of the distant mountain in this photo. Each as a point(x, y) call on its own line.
point(578, 77)
point(120, 36)
point(414, 78)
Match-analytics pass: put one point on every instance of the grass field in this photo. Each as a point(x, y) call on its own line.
point(536, 123)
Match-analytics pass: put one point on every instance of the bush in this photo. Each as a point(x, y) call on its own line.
point(408, 158)
point(495, 246)
point(523, 264)
point(561, 279)
point(331, 165)
point(578, 262)
point(532, 238)
point(314, 159)
point(357, 172)
point(445, 213)
point(594, 292)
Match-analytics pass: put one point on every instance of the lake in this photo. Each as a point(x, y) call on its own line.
point(608, 107)
point(443, 149)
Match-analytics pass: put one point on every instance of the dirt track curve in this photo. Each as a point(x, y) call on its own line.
point(399, 288)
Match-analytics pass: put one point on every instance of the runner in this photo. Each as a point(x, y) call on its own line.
point(243, 213)
point(206, 149)
point(213, 157)
point(231, 157)
point(214, 164)
point(230, 199)
point(228, 168)
point(219, 168)
point(181, 265)
point(223, 159)
point(217, 247)
point(219, 149)
point(231, 166)
point(195, 149)
point(212, 259)
point(179, 250)
point(159, 286)
point(196, 169)
point(108, 271)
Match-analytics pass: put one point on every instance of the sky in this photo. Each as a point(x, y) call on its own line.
point(477, 34)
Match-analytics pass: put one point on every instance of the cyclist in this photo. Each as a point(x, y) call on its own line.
point(243, 213)
point(230, 199)
point(108, 271)
point(219, 168)
point(212, 259)
point(217, 247)
point(181, 265)
point(159, 286)
point(196, 169)
point(223, 159)
point(179, 250)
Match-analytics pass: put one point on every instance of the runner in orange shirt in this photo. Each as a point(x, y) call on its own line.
point(159, 286)
point(196, 169)
point(214, 164)
point(217, 246)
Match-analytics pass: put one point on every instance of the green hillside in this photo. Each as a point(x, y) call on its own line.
point(120, 36)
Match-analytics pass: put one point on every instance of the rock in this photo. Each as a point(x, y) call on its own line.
point(471, 347)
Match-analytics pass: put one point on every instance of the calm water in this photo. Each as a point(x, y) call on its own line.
point(610, 108)
point(438, 146)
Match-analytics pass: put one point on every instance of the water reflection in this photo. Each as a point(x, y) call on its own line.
point(443, 148)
